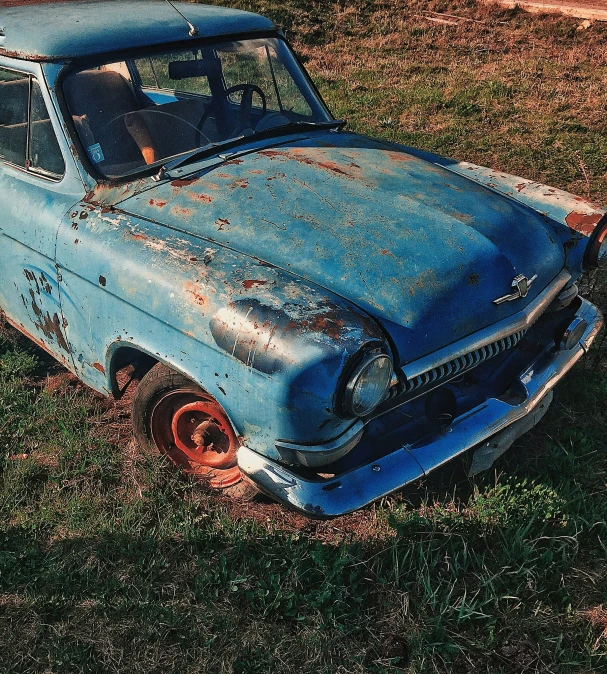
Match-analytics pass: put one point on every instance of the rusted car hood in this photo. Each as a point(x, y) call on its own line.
point(420, 248)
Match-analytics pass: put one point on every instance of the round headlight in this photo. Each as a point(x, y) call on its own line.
point(367, 385)
point(596, 250)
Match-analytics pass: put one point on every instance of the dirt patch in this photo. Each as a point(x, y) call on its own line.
point(362, 525)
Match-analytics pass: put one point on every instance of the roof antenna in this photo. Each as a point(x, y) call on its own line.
point(193, 30)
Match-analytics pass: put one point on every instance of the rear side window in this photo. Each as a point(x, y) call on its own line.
point(27, 137)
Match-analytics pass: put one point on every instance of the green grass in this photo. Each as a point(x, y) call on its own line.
point(110, 562)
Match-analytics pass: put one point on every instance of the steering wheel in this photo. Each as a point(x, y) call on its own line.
point(244, 111)
point(140, 134)
point(126, 115)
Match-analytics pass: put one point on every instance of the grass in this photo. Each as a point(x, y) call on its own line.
point(110, 562)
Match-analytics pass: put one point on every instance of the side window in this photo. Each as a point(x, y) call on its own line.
point(27, 137)
point(44, 153)
point(14, 101)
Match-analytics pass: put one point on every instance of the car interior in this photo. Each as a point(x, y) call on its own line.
point(137, 112)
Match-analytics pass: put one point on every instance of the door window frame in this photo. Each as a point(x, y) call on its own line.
point(39, 173)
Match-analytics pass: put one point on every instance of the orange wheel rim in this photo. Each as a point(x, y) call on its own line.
point(195, 433)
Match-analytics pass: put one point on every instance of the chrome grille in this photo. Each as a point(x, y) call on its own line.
point(463, 363)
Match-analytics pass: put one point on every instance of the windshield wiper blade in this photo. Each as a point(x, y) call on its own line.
point(212, 148)
point(204, 151)
point(296, 126)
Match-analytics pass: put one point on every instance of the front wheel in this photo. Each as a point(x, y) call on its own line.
point(174, 416)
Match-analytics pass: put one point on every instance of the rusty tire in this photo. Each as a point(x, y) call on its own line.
point(174, 416)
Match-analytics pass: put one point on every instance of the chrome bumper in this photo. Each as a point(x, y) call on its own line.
point(325, 498)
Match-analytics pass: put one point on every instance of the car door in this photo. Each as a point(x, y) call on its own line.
point(36, 194)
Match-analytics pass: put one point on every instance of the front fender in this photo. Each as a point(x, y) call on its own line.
point(270, 346)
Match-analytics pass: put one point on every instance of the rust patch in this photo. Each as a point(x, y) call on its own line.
point(233, 161)
point(256, 172)
point(50, 327)
point(583, 222)
point(138, 237)
point(201, 198)
point(46, 286)
point(182, 212)
point(84, 215)
point(194, 290)
point(400, 156)
point(31, 277)
point(328, 325)
point(182, 182)
point(520, 187)
point(74, 225)
point(221, 223)
point(99, 366)
point(239, 182)
point(158, 203)
point(102, 281)
point(250, 283)
point(330, 166)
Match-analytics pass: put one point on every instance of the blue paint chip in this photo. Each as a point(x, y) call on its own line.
point(95, 153)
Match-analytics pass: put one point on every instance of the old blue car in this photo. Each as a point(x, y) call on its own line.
point(305, 311)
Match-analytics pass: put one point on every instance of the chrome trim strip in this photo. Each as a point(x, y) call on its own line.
point(314, 456)
point(438, 375)
point(363, 485)
point(520, 321)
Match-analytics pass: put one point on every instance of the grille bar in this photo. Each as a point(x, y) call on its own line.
point(463, 363)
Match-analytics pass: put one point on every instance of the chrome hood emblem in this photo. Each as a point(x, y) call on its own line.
point(521, 284)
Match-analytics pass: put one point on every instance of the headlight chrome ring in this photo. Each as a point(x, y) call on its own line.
point(368, 384)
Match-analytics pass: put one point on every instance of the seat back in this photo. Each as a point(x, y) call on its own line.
point(102, 99)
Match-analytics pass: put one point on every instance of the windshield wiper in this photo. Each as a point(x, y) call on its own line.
point(212, 148)
point(206, 150)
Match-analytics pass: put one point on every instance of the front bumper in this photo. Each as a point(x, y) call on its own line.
point(326, 498)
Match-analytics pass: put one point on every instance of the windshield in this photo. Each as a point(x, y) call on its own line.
point(135, 113)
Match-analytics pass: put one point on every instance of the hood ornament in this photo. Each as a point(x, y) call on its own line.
point(521, 284)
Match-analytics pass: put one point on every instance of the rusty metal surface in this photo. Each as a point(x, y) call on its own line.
point(195, 433)
point(266, 343)
point(400, 237)
point(572, 218)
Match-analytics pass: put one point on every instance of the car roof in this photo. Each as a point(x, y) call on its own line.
point(65, 30)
